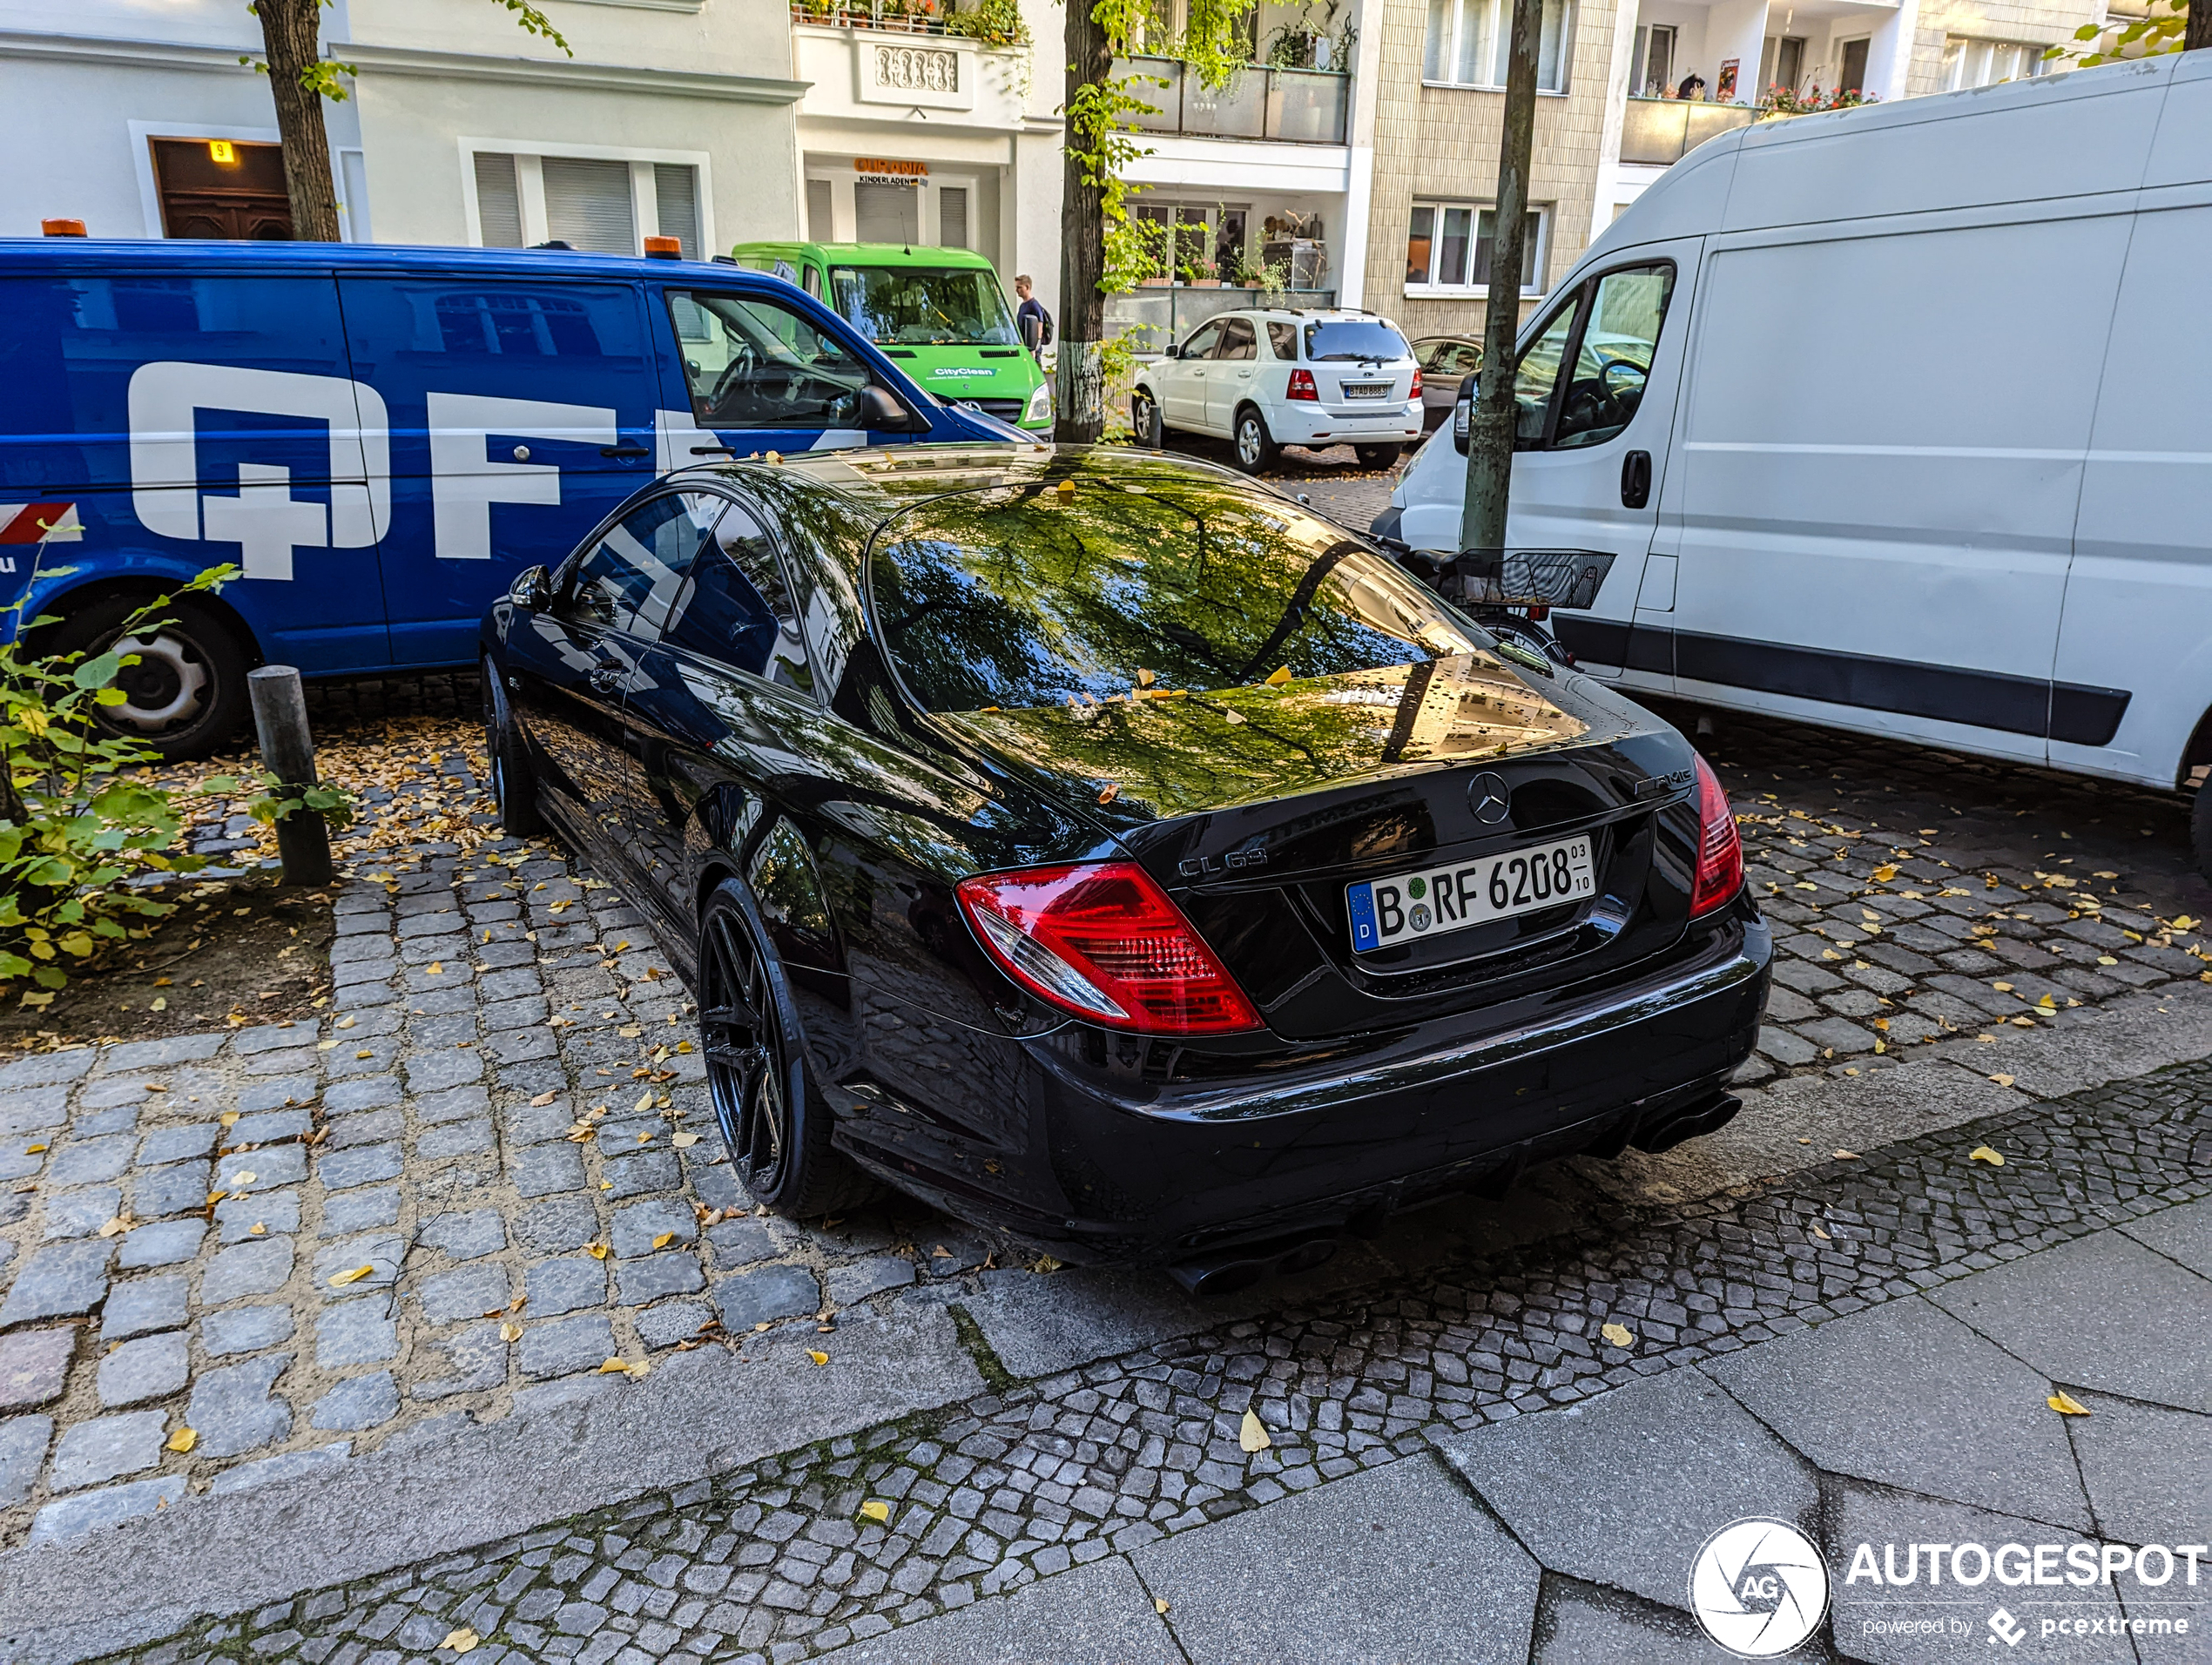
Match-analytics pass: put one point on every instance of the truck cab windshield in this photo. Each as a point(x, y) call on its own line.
point(901, 305)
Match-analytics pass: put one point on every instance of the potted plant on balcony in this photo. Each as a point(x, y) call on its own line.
point(990, 23)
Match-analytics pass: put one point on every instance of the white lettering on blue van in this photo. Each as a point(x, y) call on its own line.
point(264, 519)
point(465, 480)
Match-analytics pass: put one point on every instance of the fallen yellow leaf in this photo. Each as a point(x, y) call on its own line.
point(510, 1333)
point(540, 1101)
point(32, 1150)
point(364, 1053)
point(613, 1367)
point(345, 1022)
point(341, 1279)
point(1109, 793)
point(1276, 677)
point(877, 1510)
point(1983, 1153)
point(228, 1118)
point(597, 1250)
point(435, 969)
point(664, 1240)
point(819, 1357)
point(1823, 1236)
point(2002, 1080)
point(114, 1227)
point(1847, 1156)
point(1883, 874)
point(2002, 988)
point(462, 1640)
point(1251, 1435)
point(2066, 1404)
point(1619, 1334)
point(642, 1105)
point(1160, 1605)
point(182, 1439)
point(684, 1141)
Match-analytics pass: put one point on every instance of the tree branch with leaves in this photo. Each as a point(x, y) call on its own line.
point(301, 78)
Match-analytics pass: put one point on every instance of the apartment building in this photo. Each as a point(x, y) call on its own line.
point(1611, 116)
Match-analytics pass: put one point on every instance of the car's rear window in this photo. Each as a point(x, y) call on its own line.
point(1356, 338)
point(1024, 597)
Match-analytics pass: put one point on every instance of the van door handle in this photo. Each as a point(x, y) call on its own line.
point(1635, 480)
point(624, 450)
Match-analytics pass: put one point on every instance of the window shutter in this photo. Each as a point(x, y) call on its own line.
point(887, 213)
point(499, 204)
point(588, 205)
point(951, 217)
point(676, 189)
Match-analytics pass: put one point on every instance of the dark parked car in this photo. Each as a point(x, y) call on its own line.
point(1117, 855)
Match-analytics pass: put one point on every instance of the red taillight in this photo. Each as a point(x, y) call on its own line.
point(1416, 393)
point(1720, 852)
point(1302, 387)
point(1102, 941)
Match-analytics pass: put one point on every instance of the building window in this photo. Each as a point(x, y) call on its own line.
point(1468, 40)
point(1448, 247)
point(608, 204)
point(1985, 62)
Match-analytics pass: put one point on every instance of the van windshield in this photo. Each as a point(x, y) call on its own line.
point(907, 306)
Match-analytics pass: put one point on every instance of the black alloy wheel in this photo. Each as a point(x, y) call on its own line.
point(514, 785)
point(776, 1128)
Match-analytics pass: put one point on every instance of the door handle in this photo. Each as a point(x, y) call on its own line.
point(607, 677)
point(624, 450)
point(1635, 480)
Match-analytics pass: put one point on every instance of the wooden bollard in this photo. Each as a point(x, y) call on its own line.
point(289, 752)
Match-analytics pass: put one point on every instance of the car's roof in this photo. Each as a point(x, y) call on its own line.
point(1304, 314)
point(883, 480)
point(187, 255)
point(922, 254)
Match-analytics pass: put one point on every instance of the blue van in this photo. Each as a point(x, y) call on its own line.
point(379, 438)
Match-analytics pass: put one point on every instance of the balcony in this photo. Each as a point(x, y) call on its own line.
point(1288, 106)
point(1658, 132)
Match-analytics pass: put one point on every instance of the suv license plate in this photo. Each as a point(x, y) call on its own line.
point(1386, 911)
point(1367, 389)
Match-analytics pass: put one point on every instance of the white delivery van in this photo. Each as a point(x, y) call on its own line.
point(1897, 420)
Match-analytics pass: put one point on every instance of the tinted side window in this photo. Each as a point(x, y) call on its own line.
point(629, 579)
point(737, 609)
point(1283, 339)
point(750, 362)
point(1237, 340)
point(1613, 359)
point(1201, 344)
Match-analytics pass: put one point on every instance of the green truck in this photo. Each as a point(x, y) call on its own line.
point(940, 312)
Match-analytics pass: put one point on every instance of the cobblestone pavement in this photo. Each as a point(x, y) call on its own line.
point(790, 1558)
point(176, 1211)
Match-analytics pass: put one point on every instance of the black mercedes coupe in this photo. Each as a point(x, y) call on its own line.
point(1119, 856)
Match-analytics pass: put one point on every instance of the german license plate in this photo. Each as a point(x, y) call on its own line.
point(1386, 911)
point(1367, 389)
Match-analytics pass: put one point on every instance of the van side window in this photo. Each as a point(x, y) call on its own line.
point(1536, 377)
point(749, 362)
point(1283, 339)
point(1613, 357)
point(629, 579)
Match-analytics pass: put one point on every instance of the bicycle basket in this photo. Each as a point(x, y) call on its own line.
point(1568, 578)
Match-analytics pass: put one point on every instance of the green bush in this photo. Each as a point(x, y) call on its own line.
point(77, 823)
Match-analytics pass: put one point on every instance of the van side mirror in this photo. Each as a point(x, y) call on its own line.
point(1463, 419)
point(879, 409)
point(532, 588)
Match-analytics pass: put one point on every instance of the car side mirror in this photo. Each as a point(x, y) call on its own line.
point(532, 588)
point(880, 408)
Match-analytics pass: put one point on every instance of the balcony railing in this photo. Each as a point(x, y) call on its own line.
point(1660, 132)
point(1296, 106)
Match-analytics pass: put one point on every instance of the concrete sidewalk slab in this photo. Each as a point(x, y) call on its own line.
point(697, 1414)
point(1906, 1395)
point(2148, 1470)
point(1864, 1615)
point(1617, 1491)
point(2182, 1234)
point(1095, 1615)
point(1579, 1626)
point(1398, 1563)
point(2102, 1312)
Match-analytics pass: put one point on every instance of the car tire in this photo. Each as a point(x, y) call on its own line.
point(187, 694)
point(1378, 456)
point(1145, 418)
point(1254, 447)
point(513, 782)
point(2201, 828)
point(774, 1120)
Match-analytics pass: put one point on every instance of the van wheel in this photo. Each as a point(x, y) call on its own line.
point(514, 784)
point(1256, 446)
point(187, 695)
point(2201, 828)
point(1378, 456)
point(1144, 417)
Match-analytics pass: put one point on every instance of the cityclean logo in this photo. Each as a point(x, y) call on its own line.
point(1758, 1588)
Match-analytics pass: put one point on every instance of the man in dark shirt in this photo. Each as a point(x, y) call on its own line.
point(1031, 307)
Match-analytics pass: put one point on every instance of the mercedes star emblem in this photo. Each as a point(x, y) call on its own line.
point(1488, 795)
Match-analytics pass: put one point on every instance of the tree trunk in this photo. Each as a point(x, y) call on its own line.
point(1490, 432)
point(2196, 33)
point(1082, 416)
point(289, 29)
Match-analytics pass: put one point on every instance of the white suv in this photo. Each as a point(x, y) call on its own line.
point(1277, 376)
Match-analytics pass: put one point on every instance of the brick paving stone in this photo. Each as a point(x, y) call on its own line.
point(106, 1448)
point(34, 1367)
point(88, 1161)
point(358, 1404)
point(79, 1214)
point(848, 1285)
point(256, 1268)
point(58, 1281)
point(244, 1329)
point(557, 1226)
point(466, 1236)
point(364, 1331)
point(343, 1170)
point(180, 1188)
point(470, 1293)
point(233, 1410)
point(151, 1367)
point(276, 1214)
point(740, 1243)
point(638, 1228)
point(565, 1285)
point(474, 1359)
point(376, 1259)
point(762, 1296)
point(68, 1518)
point(363, 1210)
point(638, 1281)
point(562, 1346)
point(24, 1440)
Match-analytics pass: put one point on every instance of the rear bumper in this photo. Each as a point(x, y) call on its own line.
point(1105, 1167)
point(1297, 422)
